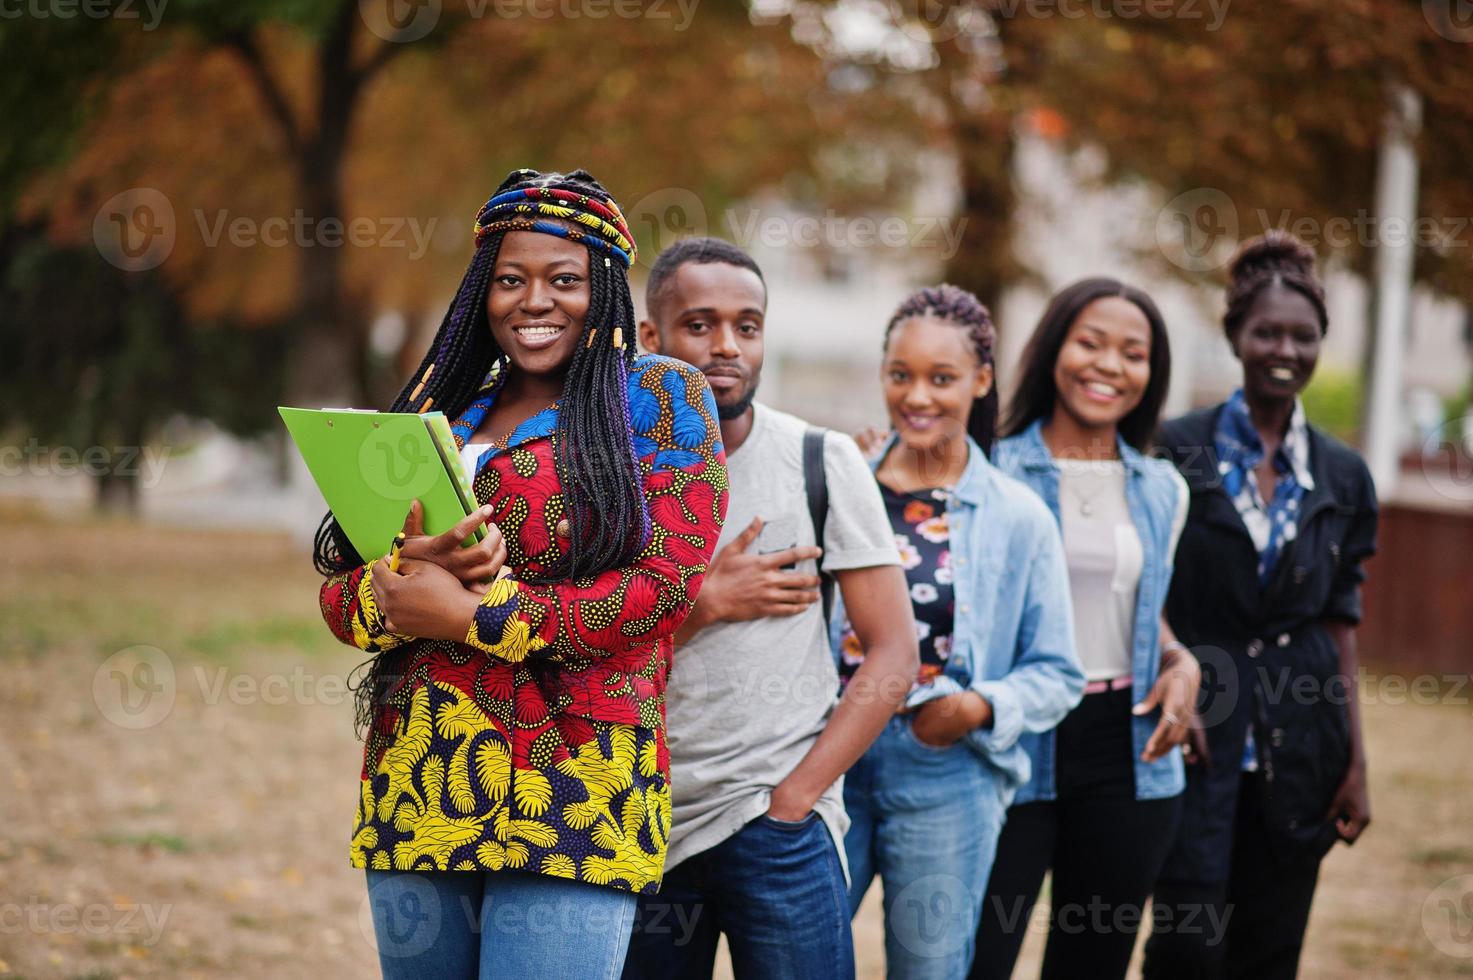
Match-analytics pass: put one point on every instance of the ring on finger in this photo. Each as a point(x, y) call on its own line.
point(1170, 718)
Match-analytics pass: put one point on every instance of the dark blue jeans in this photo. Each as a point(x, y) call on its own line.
point(775, 888)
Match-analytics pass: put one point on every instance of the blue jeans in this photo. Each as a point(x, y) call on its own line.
point(926, 820)
point(775, 888)
point(480, 925)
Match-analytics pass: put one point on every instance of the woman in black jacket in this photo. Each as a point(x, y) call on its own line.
point(1267, 594)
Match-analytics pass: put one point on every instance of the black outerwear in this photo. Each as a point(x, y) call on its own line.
point(1267, 658)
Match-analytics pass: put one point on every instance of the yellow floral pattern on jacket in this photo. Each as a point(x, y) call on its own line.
point(539, 743)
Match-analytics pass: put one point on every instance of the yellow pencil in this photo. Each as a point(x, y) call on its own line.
point(394, 551)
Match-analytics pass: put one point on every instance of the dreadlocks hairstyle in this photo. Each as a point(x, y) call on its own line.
point(594, 453)
point(1275, 258)
point(956, 306)
point(1036, 394)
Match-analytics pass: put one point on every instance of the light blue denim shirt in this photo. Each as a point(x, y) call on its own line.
point(1153, 491)
point(1013, 638)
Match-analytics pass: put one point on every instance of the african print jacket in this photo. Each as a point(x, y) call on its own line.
point(539, 743)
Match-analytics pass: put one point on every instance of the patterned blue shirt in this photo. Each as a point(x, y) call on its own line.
point(1274, 523)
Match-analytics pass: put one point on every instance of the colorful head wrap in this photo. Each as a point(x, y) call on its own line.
point(597, 222)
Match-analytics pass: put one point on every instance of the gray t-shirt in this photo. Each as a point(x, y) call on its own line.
point(746, 701)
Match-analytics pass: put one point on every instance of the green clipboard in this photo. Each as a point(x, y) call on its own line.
point(371, 465)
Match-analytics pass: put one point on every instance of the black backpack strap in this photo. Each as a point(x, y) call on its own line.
point(816, 482)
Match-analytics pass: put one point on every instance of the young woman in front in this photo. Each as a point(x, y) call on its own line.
point(1102, 805)
point(1268, 584)
point(990, 592)
point(515, 784)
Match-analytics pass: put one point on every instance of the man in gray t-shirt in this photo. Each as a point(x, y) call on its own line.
point(758, 736)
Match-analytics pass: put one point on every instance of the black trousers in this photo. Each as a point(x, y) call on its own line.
point(1105, 848)
point(1251, 925)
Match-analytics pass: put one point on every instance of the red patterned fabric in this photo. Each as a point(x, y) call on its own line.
point(539, 743)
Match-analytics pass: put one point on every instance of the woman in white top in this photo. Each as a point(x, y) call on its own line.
point(1104, 798)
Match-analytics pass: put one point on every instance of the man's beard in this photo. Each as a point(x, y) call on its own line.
point(737, 408)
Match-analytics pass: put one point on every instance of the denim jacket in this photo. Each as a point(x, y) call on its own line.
point(1153, 491)
point(1013, 637)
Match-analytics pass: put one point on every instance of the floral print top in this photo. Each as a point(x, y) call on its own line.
point(538, 743)
point(918, 519)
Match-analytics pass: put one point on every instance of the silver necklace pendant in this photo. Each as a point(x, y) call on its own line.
point(1086, 509)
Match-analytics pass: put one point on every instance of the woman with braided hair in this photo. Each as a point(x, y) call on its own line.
point(990, 592)
point(515, 787)
point(1266, 591)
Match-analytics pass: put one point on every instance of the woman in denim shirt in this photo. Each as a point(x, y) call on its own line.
point(1104, 799)
point(991, 597)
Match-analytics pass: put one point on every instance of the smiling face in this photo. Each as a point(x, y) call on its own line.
point(1104, 366)
point(710, 315)
point(930, 376)
point(537, 301)
point(1279, 344)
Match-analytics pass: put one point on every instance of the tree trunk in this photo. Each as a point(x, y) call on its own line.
point(983, 138)
point(118, 485)
point(329, 357)
point(117, 493)
point(327, 351)
point(984, 262)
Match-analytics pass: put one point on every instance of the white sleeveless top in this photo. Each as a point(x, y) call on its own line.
point(469, 455)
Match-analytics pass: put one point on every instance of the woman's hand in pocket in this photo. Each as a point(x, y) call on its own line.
point(941, 722)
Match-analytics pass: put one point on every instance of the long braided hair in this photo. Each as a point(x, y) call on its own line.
point(601, 485)
point(954, 305)
point(1273, 258)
